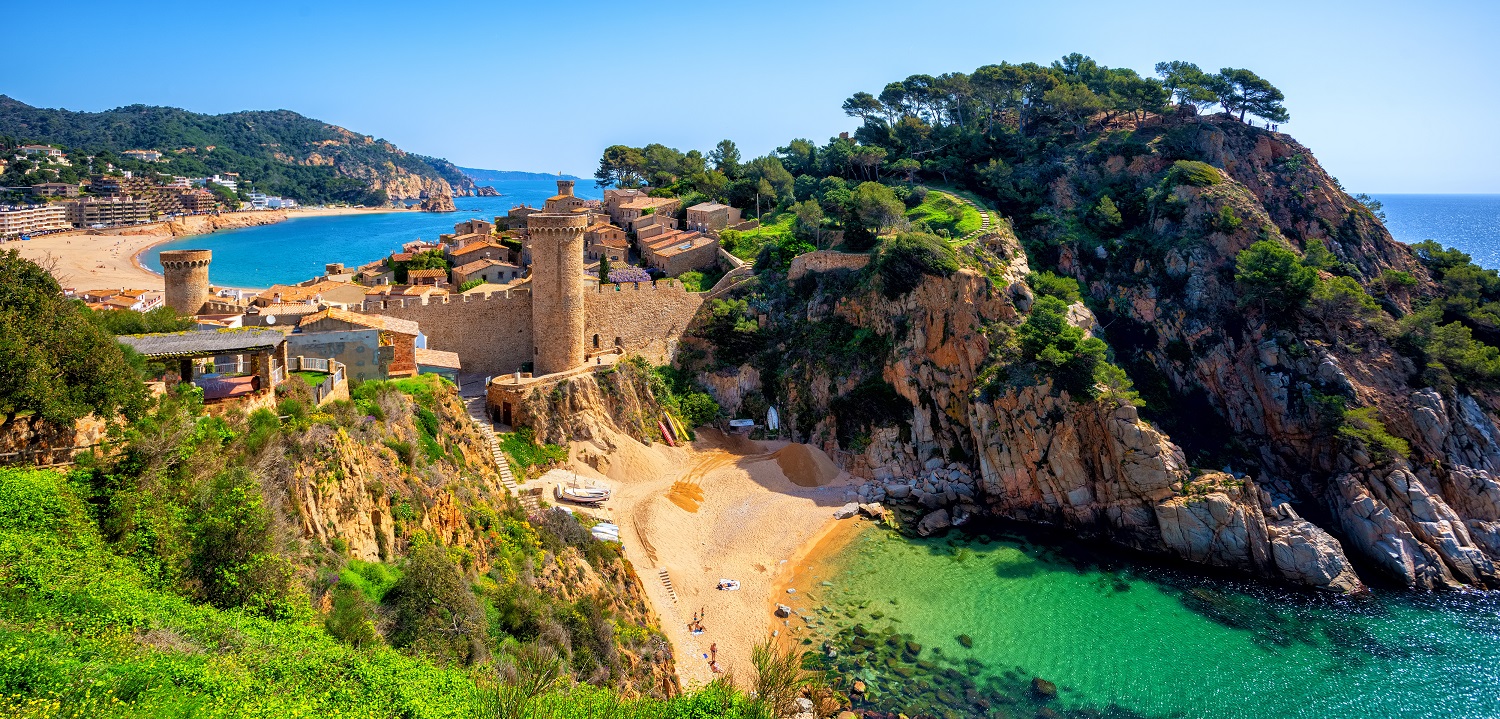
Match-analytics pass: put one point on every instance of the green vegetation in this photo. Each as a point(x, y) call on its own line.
point(1192, 172)
point(130, 322)
point(84, 632)
point(1047, 284)
point(525, 452)
point(426, 260)
point(679, 395)
point(1362, 426)
point(56, 361)
point(773, 231)
point(902, 260)
point(943, 214)
point(1048, 340)
point(1273, 278)
point(734, 333)
point(470, 284)
point(700, 281)
point(269, 149)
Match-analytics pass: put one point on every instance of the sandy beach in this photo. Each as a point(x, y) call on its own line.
point(723, 508)
point(97, 259)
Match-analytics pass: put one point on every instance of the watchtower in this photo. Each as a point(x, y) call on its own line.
point(557, 313)
point(186, 273)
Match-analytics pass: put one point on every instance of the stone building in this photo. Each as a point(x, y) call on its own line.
point(493, 271)
point(557, 289)
point(710, 217)
point(677, 251)
point(605, 240)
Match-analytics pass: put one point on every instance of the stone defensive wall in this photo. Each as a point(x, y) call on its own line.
point(825, 261)
point(647, 318)
point(491, 333)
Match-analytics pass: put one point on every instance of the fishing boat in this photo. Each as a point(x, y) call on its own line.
point(580, 491)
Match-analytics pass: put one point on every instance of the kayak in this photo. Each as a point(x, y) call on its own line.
point(665, 435)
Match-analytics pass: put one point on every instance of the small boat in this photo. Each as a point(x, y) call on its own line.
point(665, 435)
point(580, 491)
point(741, 423)
point(773, 421)
point(605, 532)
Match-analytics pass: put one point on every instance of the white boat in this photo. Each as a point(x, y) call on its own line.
point(741, 423)
point(605, 532)
point(773, 421)
point(580, 491)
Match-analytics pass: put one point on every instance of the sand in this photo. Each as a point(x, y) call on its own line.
point(806, 465)
point(721, 508)
point(100, 259)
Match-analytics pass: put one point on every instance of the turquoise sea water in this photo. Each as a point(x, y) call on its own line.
point(296, 250)
point(1124, 639)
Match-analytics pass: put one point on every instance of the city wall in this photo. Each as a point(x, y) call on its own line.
point(825, 261)
point(491, 333)
point(647, 319)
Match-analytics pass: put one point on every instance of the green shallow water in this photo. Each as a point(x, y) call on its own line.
point(1122, 639)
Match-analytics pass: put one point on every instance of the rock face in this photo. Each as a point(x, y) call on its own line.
point(438, 203)
point(486, 191)
point(1230, 389)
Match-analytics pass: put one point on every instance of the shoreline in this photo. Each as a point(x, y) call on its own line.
point(805, 569)
point(85, 259)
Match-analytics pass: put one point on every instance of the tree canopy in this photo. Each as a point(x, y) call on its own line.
point(55, 361)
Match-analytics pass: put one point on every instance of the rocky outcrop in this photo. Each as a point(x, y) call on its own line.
point(437, 203)
point(594, 406)
point(486, 191)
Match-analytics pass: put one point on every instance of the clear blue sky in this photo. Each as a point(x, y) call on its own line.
point(1391, 96)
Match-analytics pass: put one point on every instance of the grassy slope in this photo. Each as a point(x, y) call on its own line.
point(943, 212)
point(83, 635)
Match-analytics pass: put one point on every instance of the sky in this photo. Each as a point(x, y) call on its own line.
point(1392, 97)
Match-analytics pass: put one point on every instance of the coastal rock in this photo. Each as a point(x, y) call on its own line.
point(485, 191)
point(933, 522)
point(783, 611)
point(437, 203)
point(846, 511)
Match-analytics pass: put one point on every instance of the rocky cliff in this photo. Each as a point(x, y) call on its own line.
point(1259, 446)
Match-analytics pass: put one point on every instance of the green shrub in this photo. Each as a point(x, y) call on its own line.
point(1051, 285)
point(351, 619)
point(436, 615)
point(1061, 349)
point(901, 261)
point(1192, 172)
point(735, 335)
point(470, 284)
point(1473, 363)
point(1362, 426)
point(1271, 277)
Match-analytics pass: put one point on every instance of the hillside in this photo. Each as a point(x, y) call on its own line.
point(1173, 330)
point(279, 152)
point(479, 175)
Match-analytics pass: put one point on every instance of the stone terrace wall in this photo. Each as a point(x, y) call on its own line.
point(491, 333)
point(649, 318)
point(825, 261)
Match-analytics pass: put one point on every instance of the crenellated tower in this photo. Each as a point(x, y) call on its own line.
point(186, 273)
point(557, 310)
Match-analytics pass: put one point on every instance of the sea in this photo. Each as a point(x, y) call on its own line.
point(986, 623)
point(296, 250)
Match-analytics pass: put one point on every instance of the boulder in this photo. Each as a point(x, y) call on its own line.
point(1043, 689)
point(846, 511)
point(783, 611)
point(933, 522)
point(873, 510)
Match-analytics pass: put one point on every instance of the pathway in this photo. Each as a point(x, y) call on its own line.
point(475, 408)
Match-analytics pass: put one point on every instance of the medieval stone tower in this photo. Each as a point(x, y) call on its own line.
point(557, 313)
point(186, 273)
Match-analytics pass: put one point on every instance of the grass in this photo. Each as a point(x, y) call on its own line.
point(943, 211)
point(313, 379)
point(746, 245)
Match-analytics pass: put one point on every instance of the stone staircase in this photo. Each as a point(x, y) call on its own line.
point(475, 408)
point(984, 218)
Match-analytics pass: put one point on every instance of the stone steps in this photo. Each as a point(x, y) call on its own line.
point(475, 408)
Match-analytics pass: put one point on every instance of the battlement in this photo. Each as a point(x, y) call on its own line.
point(186, 259)
point(664, 286)
point(477, 298)
point(556, 223)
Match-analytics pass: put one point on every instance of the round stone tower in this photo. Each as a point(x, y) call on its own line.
point(187, 279)
point(557, 290)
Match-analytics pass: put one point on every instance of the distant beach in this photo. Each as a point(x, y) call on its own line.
point(97, 259)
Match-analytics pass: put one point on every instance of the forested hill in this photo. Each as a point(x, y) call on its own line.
point(278, 152)
point(481, 175)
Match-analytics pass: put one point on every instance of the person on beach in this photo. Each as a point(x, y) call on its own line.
point(713, 653)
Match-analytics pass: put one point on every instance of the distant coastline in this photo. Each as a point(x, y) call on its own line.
point(481, 175)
